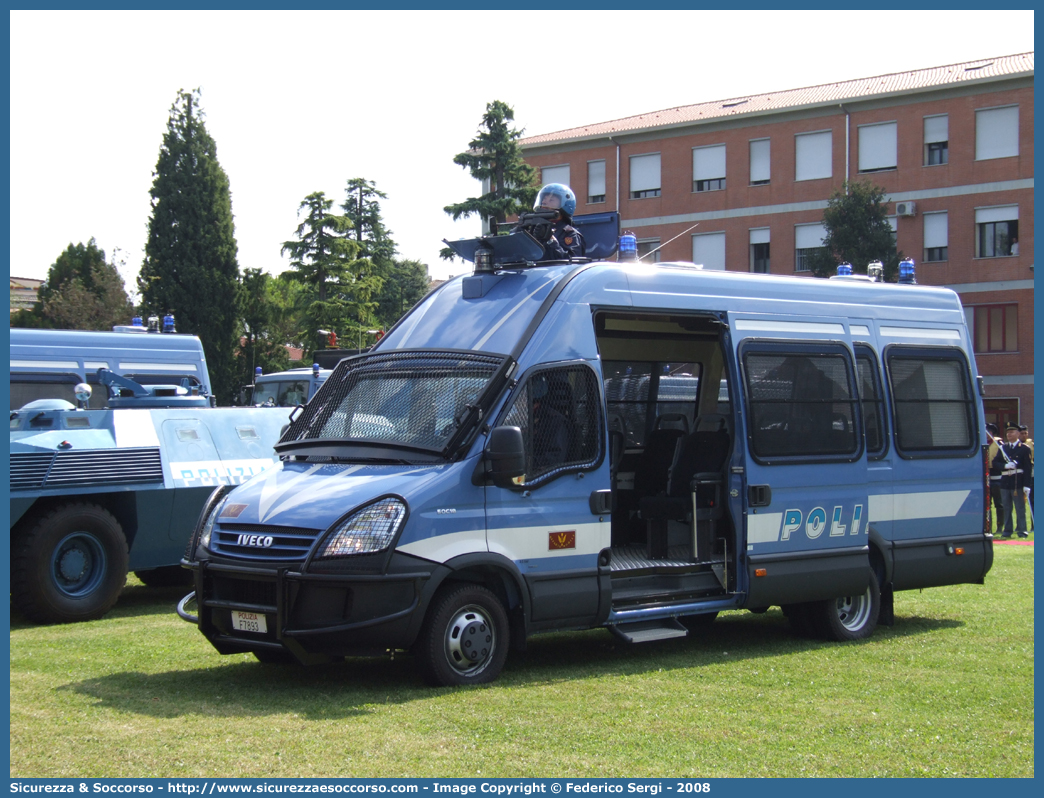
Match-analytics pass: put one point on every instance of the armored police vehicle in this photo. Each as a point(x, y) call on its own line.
point(564, 445)
point(118, 484)
point(287, 388)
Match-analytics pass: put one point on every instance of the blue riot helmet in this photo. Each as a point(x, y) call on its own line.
point(556, 196)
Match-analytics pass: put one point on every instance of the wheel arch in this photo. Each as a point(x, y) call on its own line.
point(493, 571)
point(880, 556)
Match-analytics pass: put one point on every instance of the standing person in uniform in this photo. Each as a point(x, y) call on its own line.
point(1014, 457)
point(1028, 441)
point(996, 468)
point(563, 241)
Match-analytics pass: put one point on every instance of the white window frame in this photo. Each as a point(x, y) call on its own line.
point(555, 174)
point(592, 183)
point(993, 214)
point(811, 160)
point(760, 235)
point(803, 234)
point(937, 132)
point(996, 132)
point(878, 147)
point(708, 168)
point(710, 240)
point(645, 184)
point(760, 162)
point(655, 256)
point(936, 234)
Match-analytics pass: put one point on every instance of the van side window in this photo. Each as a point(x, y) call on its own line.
point(800, 400)
point(871, 401)
point(639, 393)
point(26, 388)
point(932, 401)
point(559, 413)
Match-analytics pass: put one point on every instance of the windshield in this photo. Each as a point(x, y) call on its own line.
point(285, 393)
point(401, 399)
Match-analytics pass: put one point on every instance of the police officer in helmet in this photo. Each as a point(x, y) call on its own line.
point(561, 240)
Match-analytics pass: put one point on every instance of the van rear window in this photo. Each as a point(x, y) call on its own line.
point(800, 404)
point(932, 401)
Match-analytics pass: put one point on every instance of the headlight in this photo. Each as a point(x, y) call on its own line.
point(368, 530)
point(208, 525)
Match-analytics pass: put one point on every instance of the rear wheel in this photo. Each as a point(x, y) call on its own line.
point(850, 617)
point(465, 638)
point(168, 576)
point(69, 565)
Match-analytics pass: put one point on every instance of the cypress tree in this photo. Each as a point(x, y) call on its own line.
point(190, 266)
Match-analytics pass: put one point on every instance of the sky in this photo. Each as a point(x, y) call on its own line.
point(303, 101)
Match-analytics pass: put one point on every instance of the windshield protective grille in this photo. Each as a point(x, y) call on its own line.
point(412, 399)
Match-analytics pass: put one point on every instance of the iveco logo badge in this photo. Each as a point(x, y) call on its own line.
point(255, 541)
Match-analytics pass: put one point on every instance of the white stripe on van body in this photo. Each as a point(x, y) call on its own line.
point(764, 527)
point(441, 548)
point(915, 506)
point(532, 542)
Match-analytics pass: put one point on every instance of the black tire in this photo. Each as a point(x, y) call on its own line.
point(849, 617)
point(465, 637)
point(69, 565)
point(270, 657)
point(168, 576)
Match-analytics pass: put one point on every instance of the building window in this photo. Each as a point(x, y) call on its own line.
point(555, 174)
point(645, 176)
point(936, 236)
point(877, 147)
point(808, 238)
point(708, 250)
point(708, 168)
point(996, 133)
point(936, 140)
point(595, 181)
point(647, 246)
point(759, 251)
point(997, 231)
point(760, 162)
point(996, 328)
point(813, 155)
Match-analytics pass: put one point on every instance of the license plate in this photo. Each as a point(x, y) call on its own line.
point(249, 622)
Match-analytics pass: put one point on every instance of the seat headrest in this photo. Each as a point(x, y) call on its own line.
point(712, 422)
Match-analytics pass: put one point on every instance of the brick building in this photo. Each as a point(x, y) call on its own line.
point(952, 147)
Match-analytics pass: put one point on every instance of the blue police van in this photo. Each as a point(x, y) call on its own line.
point(542, 446)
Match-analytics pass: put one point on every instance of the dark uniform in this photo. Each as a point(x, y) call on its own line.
point(565, 242)
point(1014, 461)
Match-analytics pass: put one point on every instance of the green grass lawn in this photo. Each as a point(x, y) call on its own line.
point(947, 691)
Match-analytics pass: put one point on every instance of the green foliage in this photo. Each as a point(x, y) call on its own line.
point(363, 209)
point(496, 157)
point(259, 347)
point(325, 258)
point(82, 292)
point(191, 267)
point(947, 691)
point(857, 232)
point(406, 285)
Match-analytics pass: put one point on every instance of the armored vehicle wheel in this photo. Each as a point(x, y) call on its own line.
point(800, 618)
point(465, 637)
point(168, 576)
point(849, 617)
point(69, 565)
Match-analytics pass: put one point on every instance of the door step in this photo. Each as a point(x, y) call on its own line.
point(647, 631)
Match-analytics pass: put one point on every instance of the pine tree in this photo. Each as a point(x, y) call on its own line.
point(407, 284)
point(190, 266)
point(260, 312)
point(858, 232)
point(495, 156)
point(325, 257)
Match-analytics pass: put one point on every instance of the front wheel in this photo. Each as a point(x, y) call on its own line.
point(69, 566)
point(465, 638)
point(850, 617)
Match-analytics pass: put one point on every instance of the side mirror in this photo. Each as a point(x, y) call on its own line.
point(505, 456)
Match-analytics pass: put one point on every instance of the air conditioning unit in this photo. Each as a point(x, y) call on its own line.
point(906, 208)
